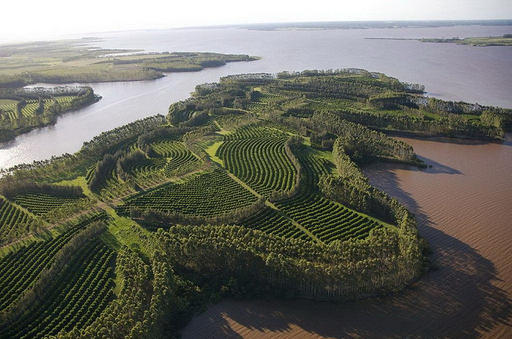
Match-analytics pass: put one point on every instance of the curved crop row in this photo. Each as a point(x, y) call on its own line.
point(177, 153)
point(326, 219)
point(257, 156)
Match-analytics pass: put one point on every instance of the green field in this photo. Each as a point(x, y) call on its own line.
point(38, 108)
point(68, 61)
point(250, 188)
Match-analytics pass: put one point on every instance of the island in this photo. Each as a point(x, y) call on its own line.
point(77, 61)
point(250, 188)
point(504, 40)
point(22, 110)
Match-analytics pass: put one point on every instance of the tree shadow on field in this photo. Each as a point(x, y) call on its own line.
point(458, 299)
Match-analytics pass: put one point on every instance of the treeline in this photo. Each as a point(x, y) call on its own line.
point(127, 162)
point(345, 83)
point(11, 188)
point(392, 82)
point(154, 302)
point(68, 166)
point(121, 163)
point(103, 171)
point(160, 133)
point(250, 262)
point(114, 139)
point(229, 97)
point(361, 143)
point(450, 125)
point(154, 219)
point(352, 188)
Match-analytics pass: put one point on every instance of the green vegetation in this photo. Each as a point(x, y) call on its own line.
point(505, 40)
point(26, 109)
point(257, 156)
point(250, 188)
point(14, 221)
point(205, 195)
point(68, 61)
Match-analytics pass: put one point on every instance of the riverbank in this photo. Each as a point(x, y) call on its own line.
point(462, 204)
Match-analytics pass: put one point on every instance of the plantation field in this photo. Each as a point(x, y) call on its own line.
point(20, 269)
point(40, 203)
point(8, 109)
point(84, 290)
point(13, 220)
point(206, 195)
point(251, 187)
point(38, 107)
point(177, 155)
point(257, 156)
point(274, 222)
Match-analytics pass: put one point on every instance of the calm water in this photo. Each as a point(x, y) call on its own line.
point(462, 202)
point(463, 207)
point(449, 71)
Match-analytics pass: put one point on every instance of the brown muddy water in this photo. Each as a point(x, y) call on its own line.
point(463, 204)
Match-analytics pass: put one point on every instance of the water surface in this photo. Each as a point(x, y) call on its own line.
point(462, 202)
point(463, 206)
point(448, 71)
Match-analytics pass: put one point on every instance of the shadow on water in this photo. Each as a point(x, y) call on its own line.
point(457, 299)
point(433, 167)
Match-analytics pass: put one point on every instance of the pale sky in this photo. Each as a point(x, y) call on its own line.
point(39, 19)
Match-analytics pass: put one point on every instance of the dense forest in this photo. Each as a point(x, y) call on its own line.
point(250, 188)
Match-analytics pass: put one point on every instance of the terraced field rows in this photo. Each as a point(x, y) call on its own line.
point(257, 156)
point(271, 221)
point(327, 220)
point(9, 111)
point(83, 291)
point(206, 195)
point(30, 109)
point(40, 203)
point(19, 270)
point(12, 217)
point(179, 156)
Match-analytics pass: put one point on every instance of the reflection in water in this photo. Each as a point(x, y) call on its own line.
point(462, 204)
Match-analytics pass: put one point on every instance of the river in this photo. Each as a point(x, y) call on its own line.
point(463, 206)
point(463, 202)
point(448, 71)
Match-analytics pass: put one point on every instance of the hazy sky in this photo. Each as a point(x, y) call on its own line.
point(36, 19)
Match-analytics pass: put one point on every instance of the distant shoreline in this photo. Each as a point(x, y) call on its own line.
point(505, 40)
point(365, 24)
